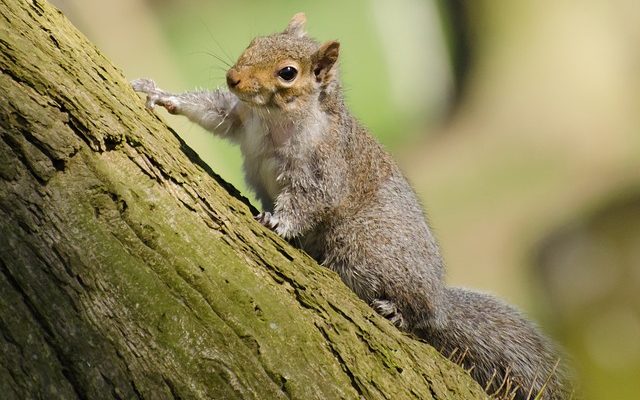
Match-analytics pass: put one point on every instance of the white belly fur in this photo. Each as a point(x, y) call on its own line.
point(258, 140)
point(260, 164)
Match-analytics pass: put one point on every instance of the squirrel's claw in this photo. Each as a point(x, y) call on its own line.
point(276, 224)
point(389, 310)
point(148, 87)
point(267, 219)
point(155, 96)
point(144, 85)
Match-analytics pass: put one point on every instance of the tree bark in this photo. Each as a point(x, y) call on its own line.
point(128, 269)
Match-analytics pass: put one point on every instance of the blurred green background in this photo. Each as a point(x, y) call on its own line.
point(517, 122)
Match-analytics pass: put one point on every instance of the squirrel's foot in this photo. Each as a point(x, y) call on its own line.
point(155, 95)
point(273, 222)
point(267, 219)
point(389, 310)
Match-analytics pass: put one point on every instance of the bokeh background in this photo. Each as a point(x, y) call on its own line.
point(517, 122)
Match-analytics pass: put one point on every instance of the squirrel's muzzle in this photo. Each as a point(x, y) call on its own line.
point(233, 78)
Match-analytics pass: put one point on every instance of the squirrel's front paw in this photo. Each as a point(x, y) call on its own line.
point(144, 85)
point(155, 95)
point(267, 219)
point(277, 224)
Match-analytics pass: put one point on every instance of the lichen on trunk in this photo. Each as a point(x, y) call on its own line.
point(128, 269)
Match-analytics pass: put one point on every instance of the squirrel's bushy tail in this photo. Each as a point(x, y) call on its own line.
point(504, 352)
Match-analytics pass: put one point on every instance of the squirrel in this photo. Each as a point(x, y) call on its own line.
point(325, 181)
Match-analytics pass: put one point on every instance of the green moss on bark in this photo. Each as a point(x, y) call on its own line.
point(128, 269)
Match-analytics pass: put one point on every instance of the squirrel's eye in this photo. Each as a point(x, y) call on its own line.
point(288, 73)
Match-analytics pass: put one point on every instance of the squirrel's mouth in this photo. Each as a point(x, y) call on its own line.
point(256, 99)
point(265, 99)
point(250, 98)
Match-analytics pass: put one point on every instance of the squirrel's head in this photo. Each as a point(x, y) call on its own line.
point(284, 70)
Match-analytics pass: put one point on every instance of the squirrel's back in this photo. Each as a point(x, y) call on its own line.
point(379, 242)
point(376, 237)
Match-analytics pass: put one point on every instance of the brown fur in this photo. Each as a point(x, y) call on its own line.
point(323, 180)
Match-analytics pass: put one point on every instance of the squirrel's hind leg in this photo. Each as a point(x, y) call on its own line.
point(389, 310)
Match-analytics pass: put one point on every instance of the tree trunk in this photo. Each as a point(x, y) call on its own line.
point(128, 269)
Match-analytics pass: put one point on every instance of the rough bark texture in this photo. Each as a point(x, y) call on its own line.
point(128, 269)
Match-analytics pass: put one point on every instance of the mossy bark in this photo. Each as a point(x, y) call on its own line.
point(128, 269)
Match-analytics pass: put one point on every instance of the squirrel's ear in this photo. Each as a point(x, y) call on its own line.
point(324, 59)
point(296, 25)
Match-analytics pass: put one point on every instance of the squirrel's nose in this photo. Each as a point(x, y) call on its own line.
point(233, 78)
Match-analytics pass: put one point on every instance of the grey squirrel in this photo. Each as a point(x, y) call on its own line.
point(322, 179)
